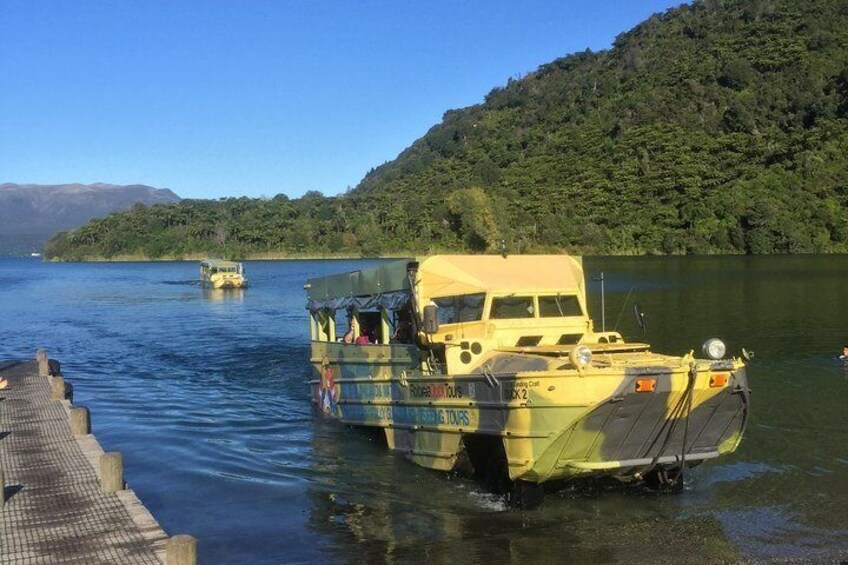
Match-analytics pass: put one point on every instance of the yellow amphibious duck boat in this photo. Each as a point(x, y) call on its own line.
point(215, 273)
point(491, 365)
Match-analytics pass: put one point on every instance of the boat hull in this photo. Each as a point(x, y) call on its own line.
point(228, 282)
point(551, 424)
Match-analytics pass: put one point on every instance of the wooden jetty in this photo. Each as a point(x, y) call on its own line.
point(62, 499)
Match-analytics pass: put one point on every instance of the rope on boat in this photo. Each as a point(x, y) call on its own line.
point(693, 374)
point(684, 404)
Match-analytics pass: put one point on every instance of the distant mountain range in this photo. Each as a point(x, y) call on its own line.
point(31, 213)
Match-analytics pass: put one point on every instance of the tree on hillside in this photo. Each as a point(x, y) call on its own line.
point(474, 218)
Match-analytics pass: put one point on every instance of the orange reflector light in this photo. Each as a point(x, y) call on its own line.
point(718, 379)
point(646, 385)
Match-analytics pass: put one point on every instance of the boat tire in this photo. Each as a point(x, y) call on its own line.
point(526, 496)
point(664, 481)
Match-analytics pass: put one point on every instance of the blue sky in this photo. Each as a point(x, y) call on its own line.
point(228, 98)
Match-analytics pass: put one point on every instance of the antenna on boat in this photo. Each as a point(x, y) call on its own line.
point(640, 318)
point(603, 302)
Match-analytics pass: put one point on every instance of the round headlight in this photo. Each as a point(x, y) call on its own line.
point(714, 348)
point(580, 356)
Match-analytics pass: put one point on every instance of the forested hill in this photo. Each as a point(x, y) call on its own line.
point(720, 126)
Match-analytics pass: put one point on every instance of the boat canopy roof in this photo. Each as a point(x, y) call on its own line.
point(451, 275)
point(387, 285)
point(219, 263)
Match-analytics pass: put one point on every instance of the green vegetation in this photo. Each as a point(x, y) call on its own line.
point(716, 127)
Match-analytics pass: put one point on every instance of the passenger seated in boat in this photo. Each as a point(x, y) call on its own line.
point(348, 337)
point(370, 327)
point(403, 328)
point(3, 383)
point(403, 332)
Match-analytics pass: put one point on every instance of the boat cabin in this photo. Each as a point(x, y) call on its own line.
point(218, 273)
point(456, 306)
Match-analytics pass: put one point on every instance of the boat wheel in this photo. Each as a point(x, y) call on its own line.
point(488, 463)
point(526, 496)
point(663, 480)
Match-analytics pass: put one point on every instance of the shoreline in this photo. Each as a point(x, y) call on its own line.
point(272, 256)
point(250, 257)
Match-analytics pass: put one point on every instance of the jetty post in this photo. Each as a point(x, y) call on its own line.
point(80, 421)
point(43, 362)
point(181, 550)
point(112, 472)
point(57, 388)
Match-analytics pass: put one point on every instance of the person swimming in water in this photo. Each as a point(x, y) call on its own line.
point(844, 355)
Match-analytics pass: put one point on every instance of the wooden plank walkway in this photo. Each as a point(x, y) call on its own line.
point(55, 510)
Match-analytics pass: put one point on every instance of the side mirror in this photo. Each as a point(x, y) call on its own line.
point(431, 319)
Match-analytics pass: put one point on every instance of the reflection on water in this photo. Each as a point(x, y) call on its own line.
point(204, 392)
point(223, 294)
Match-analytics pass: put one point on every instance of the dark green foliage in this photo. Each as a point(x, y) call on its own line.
point(716, 127)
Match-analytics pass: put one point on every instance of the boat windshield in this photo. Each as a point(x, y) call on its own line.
point(462, 308)
point(512, 307)
point(518, 307)
point(559, 306)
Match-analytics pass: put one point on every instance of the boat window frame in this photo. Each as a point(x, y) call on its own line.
point(385, 328)
point(323, 325)
point(574, 295)
point(455, 298)
point(373, 327)
point(490, 299)
point(533, 299)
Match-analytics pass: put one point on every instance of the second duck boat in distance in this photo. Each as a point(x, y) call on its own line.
point(216, 273)
point(491, 364)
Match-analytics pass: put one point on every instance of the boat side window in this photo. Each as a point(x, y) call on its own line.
point(344, 323)
point(462, 308)
point(511, 307)
point(370, 327)
point(559, 306)
point(401, 326)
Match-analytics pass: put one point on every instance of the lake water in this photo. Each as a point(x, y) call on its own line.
point(205, 394)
